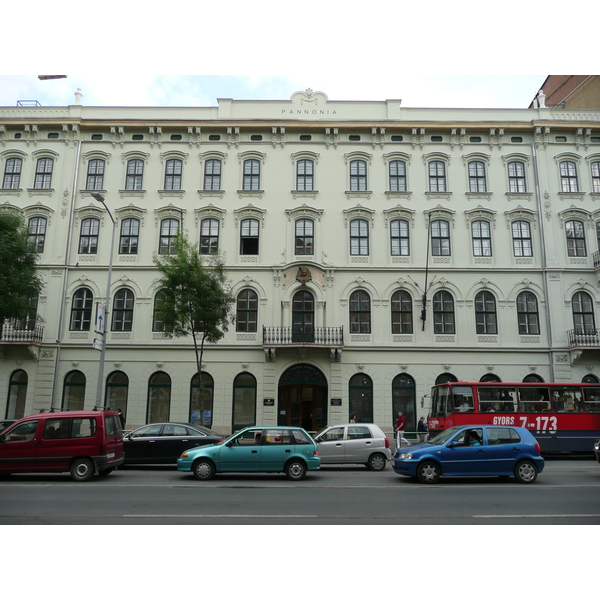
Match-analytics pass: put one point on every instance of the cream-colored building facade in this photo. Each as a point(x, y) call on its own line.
point(342, 224)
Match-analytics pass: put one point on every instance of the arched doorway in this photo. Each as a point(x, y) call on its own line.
point(302, 398)
point(303, 317)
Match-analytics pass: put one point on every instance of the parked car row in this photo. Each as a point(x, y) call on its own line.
point(85, 443)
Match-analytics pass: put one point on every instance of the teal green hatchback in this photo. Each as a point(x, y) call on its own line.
point(257, 449)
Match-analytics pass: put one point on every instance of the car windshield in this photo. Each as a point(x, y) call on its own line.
point(444, 436)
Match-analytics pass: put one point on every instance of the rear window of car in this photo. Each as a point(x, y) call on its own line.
point(179, 430)
point(359, 433)
point(113, 425)
point(300, 437)
point(497, 436)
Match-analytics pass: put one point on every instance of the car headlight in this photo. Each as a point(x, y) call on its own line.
point(405, 456)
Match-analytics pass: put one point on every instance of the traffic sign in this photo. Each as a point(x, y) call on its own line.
point(100, 317)
point(98, 344)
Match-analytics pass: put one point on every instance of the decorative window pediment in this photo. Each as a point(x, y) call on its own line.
point(209, 212)
point(170, 154)
point(481, 213)
point(304, 211)
point(358, 212)
point(358, 155)
point(399, 212)
point(168, 212)
point(249, 212)
point(38, 210)
point(133, 154)
point(575, 213)
point(520, 214)
point(95, 155)
point(131, 212)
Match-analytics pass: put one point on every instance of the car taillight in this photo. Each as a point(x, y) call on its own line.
point(538, 449)
point(316, 453)
point(387, 442)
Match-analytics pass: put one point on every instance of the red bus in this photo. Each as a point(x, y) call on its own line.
point(563, 417)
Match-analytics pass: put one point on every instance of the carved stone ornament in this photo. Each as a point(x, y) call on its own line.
point(303, 275)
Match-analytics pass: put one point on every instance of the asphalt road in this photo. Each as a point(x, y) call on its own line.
point(566, 492)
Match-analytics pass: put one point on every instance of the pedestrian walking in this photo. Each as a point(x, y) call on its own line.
point(400, 427)
point(122, 418)
point(422, 430)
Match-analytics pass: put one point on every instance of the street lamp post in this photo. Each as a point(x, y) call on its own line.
point(99, 401)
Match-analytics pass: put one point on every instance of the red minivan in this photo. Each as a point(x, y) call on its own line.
point(83, 443)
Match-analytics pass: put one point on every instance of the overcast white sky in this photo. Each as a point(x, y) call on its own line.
point(432, 54)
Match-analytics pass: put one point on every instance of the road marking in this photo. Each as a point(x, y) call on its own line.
point(561, 516)
point(225, 516)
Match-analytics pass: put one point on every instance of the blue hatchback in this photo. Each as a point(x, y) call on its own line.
point(472, 450)
point(255, 450)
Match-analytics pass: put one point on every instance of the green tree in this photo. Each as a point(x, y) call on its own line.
point(195, 299)
point(19, 279)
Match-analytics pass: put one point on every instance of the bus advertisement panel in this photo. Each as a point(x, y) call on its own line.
point(563, 417)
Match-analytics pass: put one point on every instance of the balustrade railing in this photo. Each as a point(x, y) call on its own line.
point(13, 331)
point(582, 339)
point(318, 336)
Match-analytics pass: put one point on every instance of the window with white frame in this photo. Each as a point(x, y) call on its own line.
point(305, 172)
point(212, 174)
point(485, 313)
point(304, 244)
point(173, 171)
point(527, 314)
point(247, 311)
point(477, 182)
point(399, 238)
point(95, 174)
point(358, 175)
point(249, 236)
point(397, 170)
point(251, 174)
point(443, 312)
point(568, 176)
point(437, 176)
point(209, 236)
point(129, 238)
point(43, 173)
point(402, 312)
point(595, 177)
point(482, 240)
point(12, 174)
point(360, 312)
point(122, 310)
point(81, 310)
point(359, 237)
point(169, 229)
point(516, 177)
point(521, 236)
point(440, 238)
point(36, 233)
point(88, 236)
point(575, 233)
point(135, 174)
point(583, 314)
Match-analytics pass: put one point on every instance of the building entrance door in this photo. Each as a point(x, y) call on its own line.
point(303, 398)
point(303, 317)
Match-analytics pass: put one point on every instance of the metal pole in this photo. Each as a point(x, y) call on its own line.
point(99, 401)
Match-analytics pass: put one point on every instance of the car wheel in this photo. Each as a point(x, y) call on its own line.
point(104, 472)
point(82, 469)
point(295, 470)
point(377, 462)
point(203, 469)
point(525, 472)
point(428, 472)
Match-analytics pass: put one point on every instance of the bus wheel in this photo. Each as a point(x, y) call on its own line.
point(525, 472)
point(428, 472)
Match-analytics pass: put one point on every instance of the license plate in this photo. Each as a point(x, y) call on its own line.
point(110, 455)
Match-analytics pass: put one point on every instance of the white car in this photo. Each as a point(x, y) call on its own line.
point(363, 443)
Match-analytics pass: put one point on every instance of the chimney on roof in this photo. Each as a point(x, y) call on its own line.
point(78, 96)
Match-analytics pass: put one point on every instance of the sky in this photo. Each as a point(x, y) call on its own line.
point(472, 91)
point(189, 53)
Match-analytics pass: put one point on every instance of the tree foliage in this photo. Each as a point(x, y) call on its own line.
point(19, 279)
point(195, 298)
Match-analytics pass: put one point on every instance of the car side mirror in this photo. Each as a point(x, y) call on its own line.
point(453, 444)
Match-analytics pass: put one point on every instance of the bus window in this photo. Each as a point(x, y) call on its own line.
point(592, 400)
point(534, 399)
point(463, 398)
point(497, 399)
point(439, 401)
point(567, 399)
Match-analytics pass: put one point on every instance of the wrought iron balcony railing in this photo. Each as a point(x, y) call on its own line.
point(329, 337)
point(16, 332)
point(584, 338)
point(596, 259)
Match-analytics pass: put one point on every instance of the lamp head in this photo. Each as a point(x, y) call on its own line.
point(98, 197)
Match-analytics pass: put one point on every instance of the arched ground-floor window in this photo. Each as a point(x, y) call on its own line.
point(73, 391)
point(302, 398)
point(117, 388)
point(404, 401)
point(201, 404)
point(17, 394)
point(244, 402)
point(361, 398)
point(159, 398)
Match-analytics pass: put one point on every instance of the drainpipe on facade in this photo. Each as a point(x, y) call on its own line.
point(65, 273)
point(538, 198)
